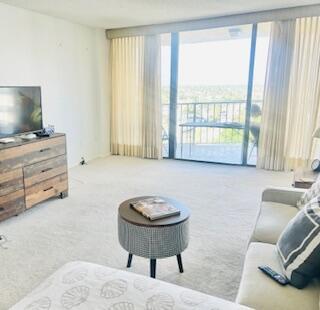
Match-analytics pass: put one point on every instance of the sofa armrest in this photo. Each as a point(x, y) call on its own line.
point(286, 195)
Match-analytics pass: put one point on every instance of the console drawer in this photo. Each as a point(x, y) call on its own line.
point(12, 204)
point(11, 181)
point(29, 153)
point(44, 170)
point(46, 189)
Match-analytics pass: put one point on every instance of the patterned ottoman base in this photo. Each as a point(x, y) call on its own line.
point(158, 239)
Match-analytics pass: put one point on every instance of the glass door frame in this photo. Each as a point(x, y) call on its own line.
point(174, 68)
point(245, 144)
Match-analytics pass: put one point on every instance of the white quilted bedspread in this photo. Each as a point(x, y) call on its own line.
point(81, 285)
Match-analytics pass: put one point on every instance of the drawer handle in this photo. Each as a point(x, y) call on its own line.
point(44, 150)
point(45, 170)
point(47, 189)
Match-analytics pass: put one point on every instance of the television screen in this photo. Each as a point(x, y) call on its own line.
point(20, 110)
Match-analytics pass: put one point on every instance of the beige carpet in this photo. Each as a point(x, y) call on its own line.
point(223, 201)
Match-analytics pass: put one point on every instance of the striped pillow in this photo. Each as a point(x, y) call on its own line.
point(299, 245)
point(312, 192)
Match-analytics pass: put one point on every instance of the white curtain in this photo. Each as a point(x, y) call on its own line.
point(291, 110)
point(136, 97)
point(152, 98)
point(275, 103)
point(304, 94)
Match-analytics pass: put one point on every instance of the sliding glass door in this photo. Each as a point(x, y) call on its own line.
point(208, 95)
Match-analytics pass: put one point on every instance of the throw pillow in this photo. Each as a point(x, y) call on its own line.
point(312, 192)
point(299, 245)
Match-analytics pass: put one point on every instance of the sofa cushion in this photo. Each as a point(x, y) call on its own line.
point(260, 292)
point(83, 286)
point(311, 193)
point(299, 245)
point(272, 219)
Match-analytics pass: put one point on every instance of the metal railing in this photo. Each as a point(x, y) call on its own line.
point(224, 111)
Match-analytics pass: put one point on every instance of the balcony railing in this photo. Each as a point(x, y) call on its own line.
point(213, 131)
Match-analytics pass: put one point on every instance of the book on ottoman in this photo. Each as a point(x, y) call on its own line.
point(155, 208)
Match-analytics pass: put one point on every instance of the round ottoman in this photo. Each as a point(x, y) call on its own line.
point(153, 239)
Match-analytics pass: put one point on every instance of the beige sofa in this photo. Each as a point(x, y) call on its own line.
point(278, 207)
point(80, 285)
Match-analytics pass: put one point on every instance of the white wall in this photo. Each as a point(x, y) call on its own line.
point(69, 62)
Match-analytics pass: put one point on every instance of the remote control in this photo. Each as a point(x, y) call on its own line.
point(274, 275)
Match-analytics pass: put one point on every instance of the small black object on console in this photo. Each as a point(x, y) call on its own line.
point(46, 132)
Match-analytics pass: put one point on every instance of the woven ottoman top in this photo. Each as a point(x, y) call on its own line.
point(133, 217)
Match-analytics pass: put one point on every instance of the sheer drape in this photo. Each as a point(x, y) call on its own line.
point(275, 104)
point(136, 101)
point(292, 97)
point(151, 125)
point(304, 94)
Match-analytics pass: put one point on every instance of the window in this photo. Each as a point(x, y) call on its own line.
point(212, 91)
point(220, 79)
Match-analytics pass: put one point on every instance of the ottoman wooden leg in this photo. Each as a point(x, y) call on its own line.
point(153, 263)
point(179, 259)
point(129, 260)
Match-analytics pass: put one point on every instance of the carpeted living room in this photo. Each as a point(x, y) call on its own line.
point(159, 155)
point(84, 226)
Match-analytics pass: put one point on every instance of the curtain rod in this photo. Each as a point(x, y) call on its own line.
point(215, 22)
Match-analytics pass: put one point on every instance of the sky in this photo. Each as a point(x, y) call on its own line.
point(217, 62)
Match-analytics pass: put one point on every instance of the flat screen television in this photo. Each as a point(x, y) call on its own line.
point(20, 110)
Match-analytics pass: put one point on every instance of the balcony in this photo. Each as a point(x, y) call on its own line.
point(214, 131)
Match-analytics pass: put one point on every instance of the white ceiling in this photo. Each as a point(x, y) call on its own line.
point(124, 13)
